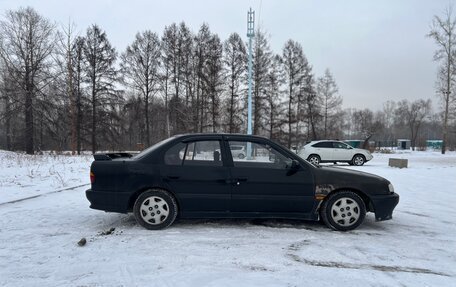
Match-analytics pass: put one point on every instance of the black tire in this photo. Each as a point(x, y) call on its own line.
point(314, 159)
point(358, 160)
point(345, 220)
point(157, 202)
point(241, 156)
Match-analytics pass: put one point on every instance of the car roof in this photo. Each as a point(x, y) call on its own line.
point(208, 135)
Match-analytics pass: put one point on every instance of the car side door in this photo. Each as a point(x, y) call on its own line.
point(194, 171)
point(342, 151)
point(324, 150)
point(263, 182)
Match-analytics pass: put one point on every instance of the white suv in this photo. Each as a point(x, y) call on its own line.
point(334, 151)
point(237, 151)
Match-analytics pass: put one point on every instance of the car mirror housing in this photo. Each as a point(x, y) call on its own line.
point(295, 165)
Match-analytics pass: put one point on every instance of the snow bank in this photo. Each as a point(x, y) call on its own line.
point(24, 175)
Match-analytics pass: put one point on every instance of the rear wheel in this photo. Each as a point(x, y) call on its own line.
point(343, 211)
point(314, 159)
point(155, 209)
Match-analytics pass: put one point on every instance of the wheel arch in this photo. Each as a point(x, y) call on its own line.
point(362, 195)
point(135, 195)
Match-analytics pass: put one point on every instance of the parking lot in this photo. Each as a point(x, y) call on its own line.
point(39, 237)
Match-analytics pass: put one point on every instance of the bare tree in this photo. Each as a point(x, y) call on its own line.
point(389, 108)
point(140, 66)
point(330, 100)
point(262, 56)
point(276, 78)
point(413, 115)
point(235, 59)
point(9, 96)
point(199, 102)
point(27, 41)
point(100, 74)
point(310, 108)
point(443, 31)
point(213, 79)
point(295, 67)
point(65, 57)
point(366, 125)
point(78, 62)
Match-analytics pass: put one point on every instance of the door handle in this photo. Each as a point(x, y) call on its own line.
point(240, 179)
point(172, 177)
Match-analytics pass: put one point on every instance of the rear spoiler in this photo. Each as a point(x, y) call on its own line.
point(111, 156)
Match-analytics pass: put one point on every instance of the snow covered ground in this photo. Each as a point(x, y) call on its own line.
point(39, 235)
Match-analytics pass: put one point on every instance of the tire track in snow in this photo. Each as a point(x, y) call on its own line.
point(333, 264)
point(43, 194)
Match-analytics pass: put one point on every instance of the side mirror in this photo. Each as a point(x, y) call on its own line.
point(294, 165)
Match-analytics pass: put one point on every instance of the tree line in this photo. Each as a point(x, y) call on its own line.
point(64, 90)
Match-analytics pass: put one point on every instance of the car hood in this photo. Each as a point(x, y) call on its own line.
point(349, 172)
point(331, 178)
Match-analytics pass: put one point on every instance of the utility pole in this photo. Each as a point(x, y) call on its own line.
point(250, 35)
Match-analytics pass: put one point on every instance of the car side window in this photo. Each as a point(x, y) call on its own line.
point(340, 145)
point(175, 154)
point(257, 155)
point(203, 153)
point(323, 145)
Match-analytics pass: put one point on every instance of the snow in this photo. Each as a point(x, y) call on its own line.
point(39, 236)
point(23, 176)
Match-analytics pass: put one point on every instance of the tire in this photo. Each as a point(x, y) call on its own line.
point(241, 156)
point(352, 215)
point(314, 159)
point(155, 216)
point(358, 160)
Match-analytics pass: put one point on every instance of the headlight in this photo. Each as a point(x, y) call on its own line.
point(391, 188)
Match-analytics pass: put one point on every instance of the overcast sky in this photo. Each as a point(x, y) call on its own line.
point(377, 50)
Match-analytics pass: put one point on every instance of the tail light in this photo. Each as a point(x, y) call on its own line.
point(92, 177)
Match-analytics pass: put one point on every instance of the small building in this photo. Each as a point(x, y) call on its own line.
point(434, 144)
point(403, 144)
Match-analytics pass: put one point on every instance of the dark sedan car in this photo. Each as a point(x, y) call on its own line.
point(197, 176)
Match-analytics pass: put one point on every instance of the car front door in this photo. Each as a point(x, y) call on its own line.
point(195, 172)
point(342, 151)
point(263, 182)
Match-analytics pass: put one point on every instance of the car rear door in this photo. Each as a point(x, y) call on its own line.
point(324, 150)
point(194, 171)
point(263, 182)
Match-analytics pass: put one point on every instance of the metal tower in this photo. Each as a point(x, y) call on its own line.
point(250, 35)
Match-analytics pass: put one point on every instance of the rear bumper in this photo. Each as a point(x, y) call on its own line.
point(384, 205)
point(108, 200)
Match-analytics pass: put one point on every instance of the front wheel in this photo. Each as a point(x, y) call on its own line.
point(358, 160)
point(314, 159)
point(155, 209)
point(343, 211)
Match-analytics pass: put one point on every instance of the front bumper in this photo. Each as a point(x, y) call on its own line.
point(108, 200)
point(384, 205)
